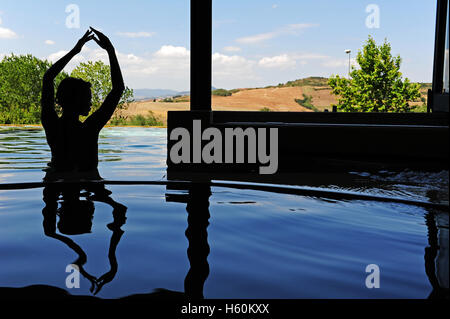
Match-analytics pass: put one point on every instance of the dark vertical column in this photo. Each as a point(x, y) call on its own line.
point(197, 235)
point(431, 253)
point(439, 46)
point(201, 51)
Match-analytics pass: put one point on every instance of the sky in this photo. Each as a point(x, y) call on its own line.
point(255, 42)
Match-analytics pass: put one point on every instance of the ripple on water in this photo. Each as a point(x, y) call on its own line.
point(262, 244)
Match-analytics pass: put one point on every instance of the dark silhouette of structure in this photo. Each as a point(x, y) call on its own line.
point(197, 207)
point(437, 252)
point(73, 143)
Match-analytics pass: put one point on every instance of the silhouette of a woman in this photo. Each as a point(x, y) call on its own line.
point(74, 144)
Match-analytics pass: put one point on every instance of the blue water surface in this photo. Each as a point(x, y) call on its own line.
point(261, 244)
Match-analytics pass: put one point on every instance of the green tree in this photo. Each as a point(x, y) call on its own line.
point(20, 88)
point(99, 75)
point(377, 86)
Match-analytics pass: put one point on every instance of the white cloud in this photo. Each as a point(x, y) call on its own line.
point(232, 49)
point(7, 34)
point(138, 66)
point(231, 65)
point(169, 67)
point(136, 34)
point(280, 61)
point(56, 56)
point(85, 55)
point(309, 56)
point(289, 29)
point(274, 6)
point(289, 60)
point(229, 60)
point(49, 42)
point(172, 52)
point(337, 63)
point(257, 38)
point(232, 70)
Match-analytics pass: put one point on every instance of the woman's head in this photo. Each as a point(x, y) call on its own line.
point(75, 217)
point(74, 96)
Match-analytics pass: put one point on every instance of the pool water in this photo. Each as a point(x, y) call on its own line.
point(218, 241)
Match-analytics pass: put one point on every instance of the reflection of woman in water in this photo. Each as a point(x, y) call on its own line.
point(74, 217)
point(74, 144)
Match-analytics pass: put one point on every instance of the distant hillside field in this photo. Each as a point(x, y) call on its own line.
point(303, 95)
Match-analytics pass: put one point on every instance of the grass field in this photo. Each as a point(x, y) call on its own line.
point(272, 98)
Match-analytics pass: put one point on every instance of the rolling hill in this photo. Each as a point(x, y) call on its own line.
point(302, 95)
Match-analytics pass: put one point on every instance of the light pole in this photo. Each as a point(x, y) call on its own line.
point(349, 54)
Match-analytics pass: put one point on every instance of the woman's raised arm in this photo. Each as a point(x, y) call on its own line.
point(48, 113)
point(106, 110)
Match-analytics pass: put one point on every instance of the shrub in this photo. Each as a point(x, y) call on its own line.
point(137, 120)
point(307, 102)
point(221, 92)
point(20, 88)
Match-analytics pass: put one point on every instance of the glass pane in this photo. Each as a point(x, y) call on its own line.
point(151, 39)
point(279, 55)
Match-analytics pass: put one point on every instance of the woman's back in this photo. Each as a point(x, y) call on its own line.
point(74, 147)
